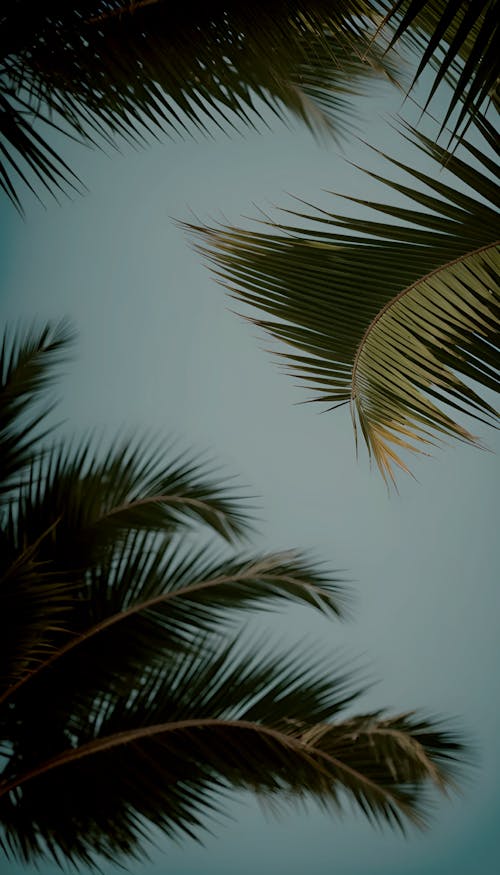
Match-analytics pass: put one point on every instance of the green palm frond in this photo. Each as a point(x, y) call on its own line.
point(199, 726)
point(459, 39)
point(109, 71)
point(393, 318)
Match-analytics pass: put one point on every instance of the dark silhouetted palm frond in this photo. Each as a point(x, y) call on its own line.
point(127, 700)
point(394, 318)
point(459, 38)
point(27, 362)
point(195, 727)
point(108, 70)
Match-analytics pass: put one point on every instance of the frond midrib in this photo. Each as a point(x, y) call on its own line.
point(294, 743)
point(394, 301)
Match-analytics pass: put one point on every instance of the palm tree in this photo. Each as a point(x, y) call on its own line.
point(128, 696)
point(393, 318)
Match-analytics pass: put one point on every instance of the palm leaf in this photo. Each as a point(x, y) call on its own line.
point(388, 317)
point(147, 599)
point(135, 484)
point(35, 603)
point(80, 524)
point(459, 39)
point(199, 726)
point(134, 71)
point(26, 152)
point(27, 363)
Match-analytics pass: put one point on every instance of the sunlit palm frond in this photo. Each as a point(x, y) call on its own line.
point(459, 39)
point(394, 318)
point(108, 71)
point(199, 726)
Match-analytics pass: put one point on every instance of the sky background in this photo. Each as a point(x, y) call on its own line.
point(160, 350)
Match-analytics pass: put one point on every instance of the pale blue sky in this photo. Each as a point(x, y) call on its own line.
point(159, 349)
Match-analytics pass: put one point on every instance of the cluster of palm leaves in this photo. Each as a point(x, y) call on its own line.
point(386, 317)
point(121, 655)
point(107, 70)
point(121, 575)
point(103, 71)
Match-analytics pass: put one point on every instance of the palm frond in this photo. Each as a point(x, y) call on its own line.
point(124, 703)
point(35, 604)
point(200, 726)
point(27, 363)
point(105, 72)
point(136, 484)
point(148, 599)
point(388, 317)
point(460, 40)
point(101, 530)
point(28, 155)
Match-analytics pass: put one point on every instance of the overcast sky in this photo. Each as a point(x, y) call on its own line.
point(159, 349)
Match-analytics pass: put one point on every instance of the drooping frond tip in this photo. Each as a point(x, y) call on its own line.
point(458, 39)
point(412, 354)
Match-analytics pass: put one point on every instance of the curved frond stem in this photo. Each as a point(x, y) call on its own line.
point(377, 434)
point(387, 306)
point(295, 743)
point(258, 572)
point(173, 500)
